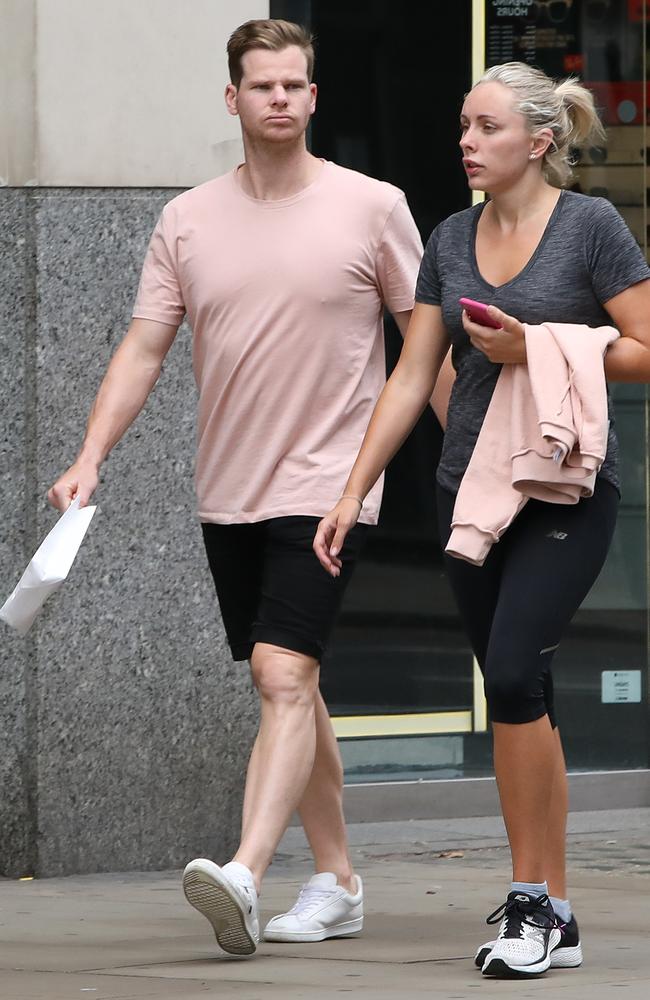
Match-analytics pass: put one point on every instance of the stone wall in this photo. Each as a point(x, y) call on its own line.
point(125, 724)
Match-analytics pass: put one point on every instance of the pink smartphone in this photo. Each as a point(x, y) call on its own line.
point(477, 312)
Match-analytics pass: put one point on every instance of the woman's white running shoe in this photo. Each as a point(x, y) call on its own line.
point(324, 909)
point(566, 955)
point(228, 899)
point(526, 939)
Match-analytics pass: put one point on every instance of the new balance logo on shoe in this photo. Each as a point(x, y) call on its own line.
point(560, 535)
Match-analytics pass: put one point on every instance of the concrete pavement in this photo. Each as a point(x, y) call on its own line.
point(428, 887)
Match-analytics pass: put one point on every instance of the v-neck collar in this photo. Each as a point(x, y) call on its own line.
point(531, 261)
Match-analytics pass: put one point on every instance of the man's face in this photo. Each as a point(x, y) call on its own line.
point(274, 100)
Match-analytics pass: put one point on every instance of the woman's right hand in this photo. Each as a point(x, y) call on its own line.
point(331, 533)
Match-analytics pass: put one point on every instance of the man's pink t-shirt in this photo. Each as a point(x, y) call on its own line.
point(285, 301)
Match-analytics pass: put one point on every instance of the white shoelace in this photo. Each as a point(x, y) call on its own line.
point(526, 931)
point(310, 897)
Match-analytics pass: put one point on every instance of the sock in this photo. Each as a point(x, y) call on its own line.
point(562, 908)
point(531, 888)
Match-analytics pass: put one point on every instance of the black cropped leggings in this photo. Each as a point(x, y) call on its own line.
point(516, 606)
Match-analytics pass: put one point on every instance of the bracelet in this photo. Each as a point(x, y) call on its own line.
point(349, 496)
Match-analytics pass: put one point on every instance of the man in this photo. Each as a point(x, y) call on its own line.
point(282, 267)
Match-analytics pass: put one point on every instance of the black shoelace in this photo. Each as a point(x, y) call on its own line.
point(523, 911)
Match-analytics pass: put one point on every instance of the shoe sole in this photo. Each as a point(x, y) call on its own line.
point(295, 937)
point(567, 958)
point(480, 956)
point(213, 897)
point(561, 958)
point(500, 969)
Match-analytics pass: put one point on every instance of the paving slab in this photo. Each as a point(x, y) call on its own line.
point(133, 936)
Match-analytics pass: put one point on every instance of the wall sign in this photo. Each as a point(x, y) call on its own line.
point(621, 686)
point(601, 41)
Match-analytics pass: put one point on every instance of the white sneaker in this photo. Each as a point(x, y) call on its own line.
point(228, 899)
point(323, 909)
point(567, 954)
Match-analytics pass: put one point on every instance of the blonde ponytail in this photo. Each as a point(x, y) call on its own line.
point(567, 108)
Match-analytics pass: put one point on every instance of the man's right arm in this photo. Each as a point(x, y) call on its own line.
point(131, 375)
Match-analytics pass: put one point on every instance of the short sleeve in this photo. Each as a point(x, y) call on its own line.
point(428, 288)
point(614, 258)
point(398, 258)
point(159, 294)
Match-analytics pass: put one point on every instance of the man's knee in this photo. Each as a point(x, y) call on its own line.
point(283, 676)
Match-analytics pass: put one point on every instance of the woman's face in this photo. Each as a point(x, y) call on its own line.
point(495, 139)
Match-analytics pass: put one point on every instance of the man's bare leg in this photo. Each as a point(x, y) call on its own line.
point(321, 807)
point(283, 756)
point(280, 769)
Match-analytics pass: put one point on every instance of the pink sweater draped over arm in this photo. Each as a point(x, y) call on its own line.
point(544, 435)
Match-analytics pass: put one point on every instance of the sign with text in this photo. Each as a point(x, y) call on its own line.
point(543, 34)
point(601, 41)
point(621, 686)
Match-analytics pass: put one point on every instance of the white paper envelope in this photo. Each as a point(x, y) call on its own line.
point(48, 568)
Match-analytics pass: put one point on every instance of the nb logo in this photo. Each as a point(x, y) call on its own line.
point(560, 535)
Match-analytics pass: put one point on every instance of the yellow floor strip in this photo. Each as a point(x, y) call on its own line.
point(480, 704)
point(478, 40)
point(416, 724)
point(478, 59)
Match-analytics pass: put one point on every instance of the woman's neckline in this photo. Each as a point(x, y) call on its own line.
point(533, 257)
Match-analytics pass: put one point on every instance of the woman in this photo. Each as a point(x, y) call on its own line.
point(541, 254)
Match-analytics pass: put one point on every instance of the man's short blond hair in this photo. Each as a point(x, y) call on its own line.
point(272, 34)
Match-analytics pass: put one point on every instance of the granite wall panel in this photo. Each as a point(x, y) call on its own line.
point(18, 705)
point(144, 722)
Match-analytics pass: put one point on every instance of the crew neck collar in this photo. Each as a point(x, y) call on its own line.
point(280, 202)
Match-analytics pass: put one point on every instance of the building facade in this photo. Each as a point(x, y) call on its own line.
point(126, 726)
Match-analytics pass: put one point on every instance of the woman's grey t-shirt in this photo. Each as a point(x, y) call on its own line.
point(586, 256)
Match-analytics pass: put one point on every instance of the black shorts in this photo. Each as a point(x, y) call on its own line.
point(272, 588)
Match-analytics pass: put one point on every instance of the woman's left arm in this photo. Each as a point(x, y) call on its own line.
point(628, 359)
